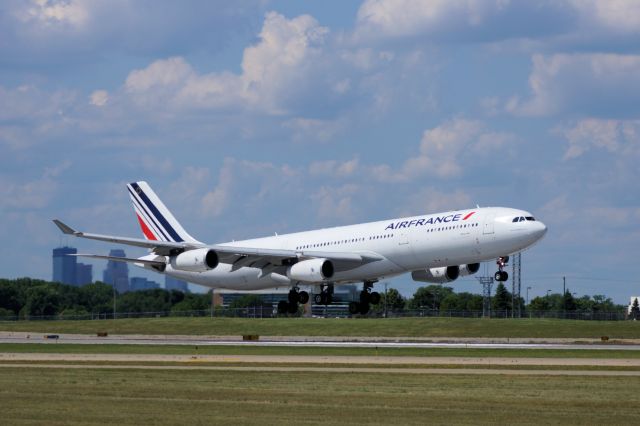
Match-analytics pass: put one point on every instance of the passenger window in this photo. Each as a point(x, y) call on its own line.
point(515, 219)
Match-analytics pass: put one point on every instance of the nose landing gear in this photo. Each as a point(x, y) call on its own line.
point(501, 274)
point(367, 297)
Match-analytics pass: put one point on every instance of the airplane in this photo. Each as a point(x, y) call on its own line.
point(434, 248)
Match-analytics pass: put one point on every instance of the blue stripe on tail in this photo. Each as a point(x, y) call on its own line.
point(156, 213)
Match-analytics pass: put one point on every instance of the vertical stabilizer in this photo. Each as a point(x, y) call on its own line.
point(155, 219)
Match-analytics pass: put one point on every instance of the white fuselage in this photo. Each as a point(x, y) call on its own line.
point(404, 245)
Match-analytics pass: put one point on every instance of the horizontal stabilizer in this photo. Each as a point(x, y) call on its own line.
point(66, 229)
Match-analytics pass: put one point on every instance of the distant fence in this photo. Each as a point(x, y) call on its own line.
point(331, 311)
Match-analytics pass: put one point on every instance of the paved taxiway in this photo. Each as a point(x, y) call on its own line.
point(478, 343)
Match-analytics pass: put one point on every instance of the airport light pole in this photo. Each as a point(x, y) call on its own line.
point(114, 296)
point(528, 288)
point(386, 296)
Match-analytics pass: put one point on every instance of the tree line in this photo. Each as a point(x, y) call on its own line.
point(26, 297)
point(443, 298)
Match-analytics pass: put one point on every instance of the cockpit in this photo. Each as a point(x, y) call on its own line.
point(523, 218)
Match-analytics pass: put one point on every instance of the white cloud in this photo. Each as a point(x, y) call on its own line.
point(53, 12)
point(276, 71)
point(446, 149)
point(34, 194)
point(99, 98)
point(335, 202)
point(614, 136)
point(41, 31)
point(615, 15)
point(594, 84)
point(334, 168)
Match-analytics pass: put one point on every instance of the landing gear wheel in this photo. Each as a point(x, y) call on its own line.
point(303, 297)
point(374, 298)
point(293, 308)
point(497, 276)
point(364, 308)
point(283, 307)
point(354, 308)
point(505, 276)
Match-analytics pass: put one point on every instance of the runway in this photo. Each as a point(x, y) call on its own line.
point(328, 342)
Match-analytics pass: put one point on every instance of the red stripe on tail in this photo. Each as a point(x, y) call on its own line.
point(145, 229)
point(468, 216)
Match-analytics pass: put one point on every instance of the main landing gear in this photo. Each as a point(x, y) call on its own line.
point(367, 297)
point(501, 274)
point(290, 306)
point(325, 297)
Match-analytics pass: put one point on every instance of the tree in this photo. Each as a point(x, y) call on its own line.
point(394, 301)
point(429, 297)
point(502, 298)
point(568, 302)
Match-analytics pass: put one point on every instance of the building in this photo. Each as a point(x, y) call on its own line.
point(632, 299)
point(84, 274)
point(141, 283)
point(64, 266)
point(117, 273)
point(67, 269)
point(171, 283)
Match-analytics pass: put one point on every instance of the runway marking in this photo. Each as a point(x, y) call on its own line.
point(447, 371)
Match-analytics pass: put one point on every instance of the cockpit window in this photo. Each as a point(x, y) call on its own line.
point(515, 219)
point(531, 218)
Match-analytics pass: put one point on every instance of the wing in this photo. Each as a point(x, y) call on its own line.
point(264, 258)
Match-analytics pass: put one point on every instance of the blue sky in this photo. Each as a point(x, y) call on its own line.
point(254, 117)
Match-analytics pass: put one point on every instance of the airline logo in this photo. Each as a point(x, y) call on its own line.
point(430, 221)
point(154, 224)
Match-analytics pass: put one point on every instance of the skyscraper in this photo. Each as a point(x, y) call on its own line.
point(64, 267)
point(117, 273)
point(84, 274)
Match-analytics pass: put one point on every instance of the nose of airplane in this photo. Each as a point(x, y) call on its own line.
point(540, 230)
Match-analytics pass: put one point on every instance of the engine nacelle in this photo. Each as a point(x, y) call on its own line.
point(198, 260)
point(469, 269)
point(311, 271)
point(440, 275)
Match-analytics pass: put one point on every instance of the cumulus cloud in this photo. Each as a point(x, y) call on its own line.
point(34, 194)
point(455, 19)
point(99, 98)
point(614, 136)
point(334, 168)
point(558, 23)
point(445, 149)
point(594, 84)
point(42, 30)
point(335, 202)
point(276, 72)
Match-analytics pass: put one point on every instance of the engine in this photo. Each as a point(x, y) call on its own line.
point(312, 270)
point(440, 275)
point(469, 269)
point(198, 260)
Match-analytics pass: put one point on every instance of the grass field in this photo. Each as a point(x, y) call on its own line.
point(391, 327)
point(317, 351)
point(117, 396)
